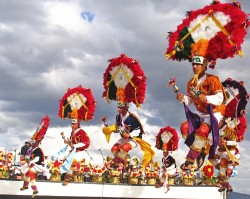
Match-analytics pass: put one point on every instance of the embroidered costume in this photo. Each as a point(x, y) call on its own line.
point(130, 124)
point(205, 35)
point(35, 158)
point(168, 170)
point(125, 82)
point(226, 158)
point(77, 104)
point(234, 125)
point(33, 166)
point(80, 139)
point(211, 87)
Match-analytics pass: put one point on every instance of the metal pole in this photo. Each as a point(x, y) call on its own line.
point(89, 155)
point(15, 158)
point(102, 155)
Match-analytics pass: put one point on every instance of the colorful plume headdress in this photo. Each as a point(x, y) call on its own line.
point(77, 103)
point(237, 98)
point(41, 129)
point(172, 140)
point(235, 112)
point(124, 81)
point(215, 31)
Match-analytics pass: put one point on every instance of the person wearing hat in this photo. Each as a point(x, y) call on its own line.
point(25, 148)
point(128, 125)
point(78, 142)
point(33, 165)
point(168, 169)
point(227, 157)
point(205, 91)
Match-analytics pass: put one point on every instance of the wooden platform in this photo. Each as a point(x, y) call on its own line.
point(10, 189)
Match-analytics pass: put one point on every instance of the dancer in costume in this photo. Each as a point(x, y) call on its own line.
point(226, 158)
point(168, 169)
point(167, 140)
point(33, 165)
point(125, 82)
point(77, 104)
point(206, 34)
point(128, 125)
point(35, 158)
point(78, 142)
point(234, 126)
point(206, 93)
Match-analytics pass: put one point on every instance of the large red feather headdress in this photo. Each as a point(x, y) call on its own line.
point(235, 112)
point(124, 81)
point(167, 136)
point(215, 31)
point(77, 103)
point(41, 129)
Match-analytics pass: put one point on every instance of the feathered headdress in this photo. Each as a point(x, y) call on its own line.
point(237, 98)
point(235, 112)
point(167, 136)
point(77, 103)
point(124, 81)
point(215, 31)
point(41, 129)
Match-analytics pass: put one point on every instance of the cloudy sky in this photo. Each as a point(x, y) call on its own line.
point(48, 46)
